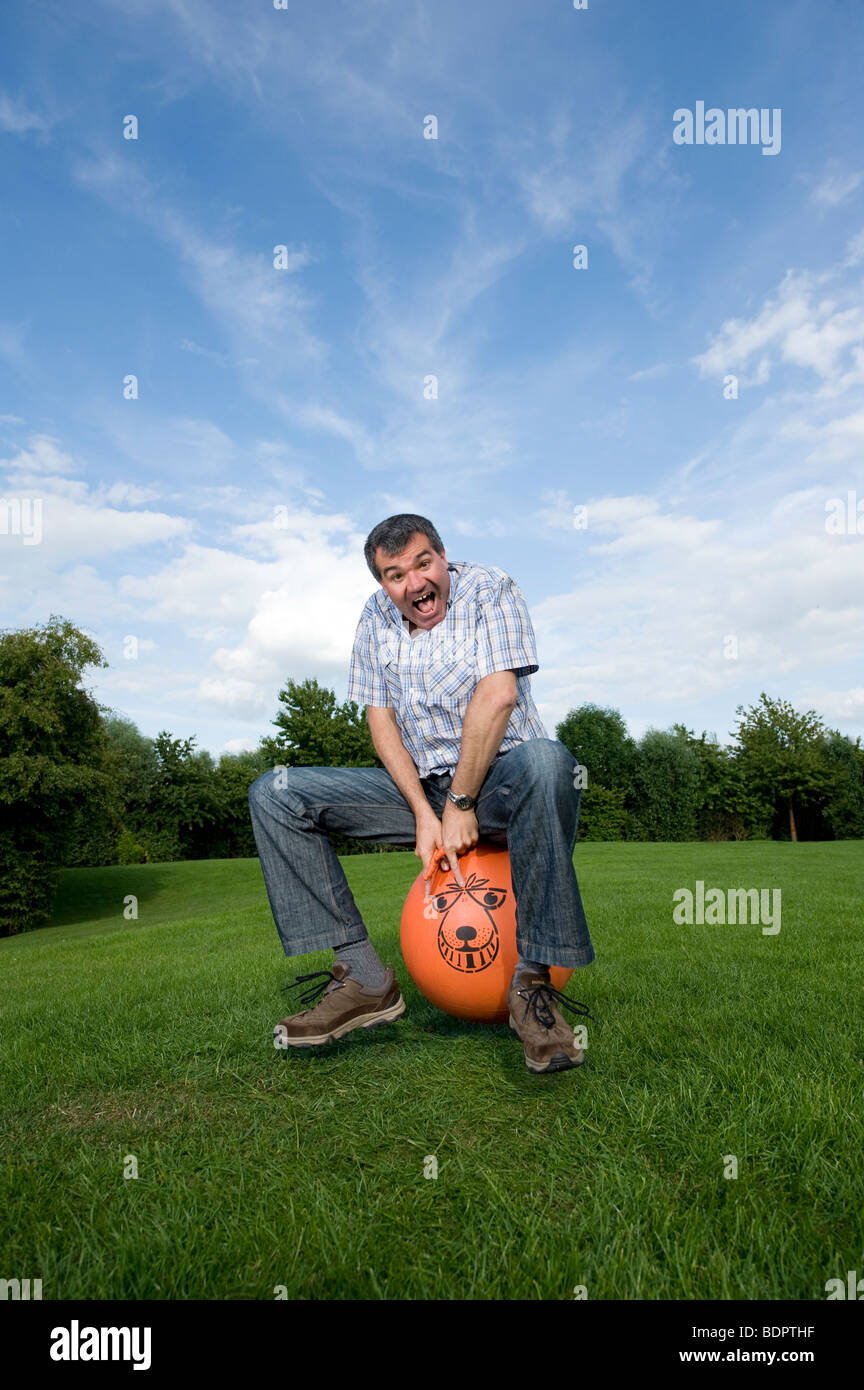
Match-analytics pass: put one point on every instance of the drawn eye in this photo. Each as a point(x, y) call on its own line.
point(441, 903)
point(494, 897)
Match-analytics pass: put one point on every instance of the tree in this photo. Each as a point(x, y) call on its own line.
point(726, 807)
point(51, 752)
point(316, 732)
point(603, 813)
point(665, 788)
point(109, 834)
point(844, 808)
point(134, 764)
point(182, 802)
point(232, 836)
point(781, 755)
point(598, 739)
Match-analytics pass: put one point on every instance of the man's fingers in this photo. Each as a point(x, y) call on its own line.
point(433, 863)
point(454, 860)
point(446, 858)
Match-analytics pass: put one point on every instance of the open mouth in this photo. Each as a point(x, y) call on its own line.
point(425, 603)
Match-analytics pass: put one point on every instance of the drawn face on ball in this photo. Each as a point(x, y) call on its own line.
point(468, 940)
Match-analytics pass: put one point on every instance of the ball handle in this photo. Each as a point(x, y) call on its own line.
point(435, 863)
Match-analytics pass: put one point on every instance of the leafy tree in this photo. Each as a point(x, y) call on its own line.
point(316, 732)
point(51, 752)
point(182, 804)
point(843, 810)
point(603, 813)
point(598, 739)
point(107, 834)
point(134, 765)
point(665, 788)
point(781, 755)
point(727, 807)
point(232, 835)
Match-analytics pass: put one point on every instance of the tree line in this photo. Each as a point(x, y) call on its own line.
point(81, 786)
point(785, 777)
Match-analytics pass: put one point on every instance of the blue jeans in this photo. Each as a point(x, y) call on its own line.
point(527, 802)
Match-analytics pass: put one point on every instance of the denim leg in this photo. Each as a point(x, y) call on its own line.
point(529, 795)
point(292, 810)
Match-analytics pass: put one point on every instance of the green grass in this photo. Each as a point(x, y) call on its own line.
point(259, 1167)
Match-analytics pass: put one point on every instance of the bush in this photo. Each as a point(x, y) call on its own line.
point(128, 850)
point(51, 754)
point(665, 791)
point(603, 814)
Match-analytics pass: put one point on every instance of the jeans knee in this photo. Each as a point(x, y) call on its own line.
point(547, 758)
point(275, 779)
point(258, 787)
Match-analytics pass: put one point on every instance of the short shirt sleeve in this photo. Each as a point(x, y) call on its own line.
point(366, 684)
point(505, 635)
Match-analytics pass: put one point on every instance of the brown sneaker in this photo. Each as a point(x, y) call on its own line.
point(547, 1039)
point(344, 1006)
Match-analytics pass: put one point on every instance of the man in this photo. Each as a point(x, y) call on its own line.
point(441, 660)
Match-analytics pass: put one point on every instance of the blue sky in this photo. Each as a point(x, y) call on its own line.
point(705, 572)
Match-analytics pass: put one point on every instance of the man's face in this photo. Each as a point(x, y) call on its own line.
point(418, 571)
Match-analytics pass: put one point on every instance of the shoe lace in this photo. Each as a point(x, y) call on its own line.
point(541, 997)
point(315, 991)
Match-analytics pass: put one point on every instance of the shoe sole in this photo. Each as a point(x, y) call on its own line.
point(560, 1062)
point(362, 1021)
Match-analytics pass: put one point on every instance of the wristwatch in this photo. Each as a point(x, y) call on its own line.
point(465, 803)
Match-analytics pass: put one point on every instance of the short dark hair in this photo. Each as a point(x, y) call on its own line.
point(393, 535)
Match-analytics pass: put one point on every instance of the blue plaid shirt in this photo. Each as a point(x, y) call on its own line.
point(428, 679)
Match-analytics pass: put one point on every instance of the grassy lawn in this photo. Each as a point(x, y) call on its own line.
point(259, 1167)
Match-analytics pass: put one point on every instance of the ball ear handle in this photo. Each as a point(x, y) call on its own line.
point(435, 863)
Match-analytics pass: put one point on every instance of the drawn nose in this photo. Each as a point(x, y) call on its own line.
point(466, 934)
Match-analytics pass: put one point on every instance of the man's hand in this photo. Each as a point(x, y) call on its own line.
point(453, 835)
point(449, 837)
point(459, 833)
point(428, 840)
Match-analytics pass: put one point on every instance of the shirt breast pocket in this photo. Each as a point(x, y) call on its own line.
point(451, 675)
point(388, 655)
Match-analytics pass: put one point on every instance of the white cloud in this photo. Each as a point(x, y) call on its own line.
point(256, 304)
point(793, 326)
point(129, 494)
point(237, 698)
point(239, 745)
point(17, 118)
point(836, 188)
point(645, 625)
point(835, 706)
point(42, 457)
point(854, 250)
point(650, 373)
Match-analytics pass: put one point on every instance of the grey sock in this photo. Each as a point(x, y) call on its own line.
point(366, 965)
point(537, 966)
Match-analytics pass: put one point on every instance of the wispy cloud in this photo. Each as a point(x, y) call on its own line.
point(254, 303)
point(17, 118)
